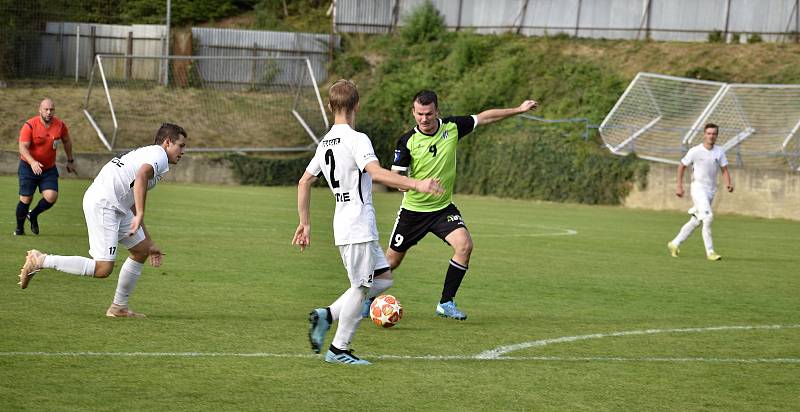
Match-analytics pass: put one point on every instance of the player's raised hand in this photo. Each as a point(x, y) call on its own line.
point(302, 237)
point(155, 254)
point(433, 186)
point(528, 105)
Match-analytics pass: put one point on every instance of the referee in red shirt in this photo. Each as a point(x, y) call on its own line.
point(38, 139)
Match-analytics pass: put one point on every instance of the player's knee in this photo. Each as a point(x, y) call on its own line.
point(138, 255)
point(385, 276)
point(51, 197)
point(103, 269)
point(394, 259)
point(463, 248)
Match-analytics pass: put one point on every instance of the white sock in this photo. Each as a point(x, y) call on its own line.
point(707, 237)
point(379, 286)
point(350, 316)
point(74, 265)
point(128, 276)
point(686, 230)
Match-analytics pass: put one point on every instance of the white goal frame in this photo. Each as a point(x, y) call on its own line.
point(109, 137)
point(660, 117)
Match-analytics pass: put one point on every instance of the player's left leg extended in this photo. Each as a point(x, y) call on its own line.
point(461, 242)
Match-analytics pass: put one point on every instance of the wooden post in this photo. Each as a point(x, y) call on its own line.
point(522, 14)
point(128, 60)
point(92, 45)
point(727, 20)
point(395, 16)
point(253, 67)
point(460, 7)
point(60, 56)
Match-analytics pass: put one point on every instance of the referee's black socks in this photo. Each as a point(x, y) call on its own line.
point(41, 207)
point(22, 212)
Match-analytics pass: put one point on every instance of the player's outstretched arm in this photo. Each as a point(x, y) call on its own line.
point(493, 115)
point(401, 182)
point(302, 235)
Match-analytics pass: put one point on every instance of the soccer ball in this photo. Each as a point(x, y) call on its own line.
point(385, 311)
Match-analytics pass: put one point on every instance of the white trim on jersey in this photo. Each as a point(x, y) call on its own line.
point(114, 184)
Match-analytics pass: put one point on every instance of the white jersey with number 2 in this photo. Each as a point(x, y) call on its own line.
point(341, 158)
point(114, 184)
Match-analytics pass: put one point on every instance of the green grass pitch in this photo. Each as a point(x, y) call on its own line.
point(592, 311)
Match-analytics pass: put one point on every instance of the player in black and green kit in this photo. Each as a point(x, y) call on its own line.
point(429, 150)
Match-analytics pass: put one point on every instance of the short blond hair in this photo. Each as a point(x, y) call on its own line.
point(343, 96)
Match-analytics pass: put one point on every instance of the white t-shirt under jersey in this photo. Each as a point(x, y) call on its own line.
point(114, 184)
point(705, 165)
point(341, 158)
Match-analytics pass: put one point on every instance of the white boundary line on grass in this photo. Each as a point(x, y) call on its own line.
point(498, 352)
point(494, 354)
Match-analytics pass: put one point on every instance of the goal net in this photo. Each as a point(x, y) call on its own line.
point(245, 104)
point(660, 117)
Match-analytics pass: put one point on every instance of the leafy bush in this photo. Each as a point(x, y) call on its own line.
point(716, 37)
point(424, 24)
point(347, 65)
point(541, 164)
point(706, 73)
point(754, 38)
point(250, 170)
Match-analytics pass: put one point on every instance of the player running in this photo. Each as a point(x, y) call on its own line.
point(114, 208)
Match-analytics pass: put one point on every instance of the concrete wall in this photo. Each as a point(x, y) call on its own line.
point(761, 193)
point(191, 169)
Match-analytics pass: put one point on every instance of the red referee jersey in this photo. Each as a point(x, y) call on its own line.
point(44, 140)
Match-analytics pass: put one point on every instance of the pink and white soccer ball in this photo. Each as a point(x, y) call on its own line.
point(385, 311)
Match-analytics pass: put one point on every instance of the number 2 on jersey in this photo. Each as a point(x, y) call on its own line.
point(330, 161)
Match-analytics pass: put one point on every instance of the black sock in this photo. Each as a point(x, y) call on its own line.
point(41, 207)
point(452, 281)
point(336, 350)
point(328, 315)
point(22, 211)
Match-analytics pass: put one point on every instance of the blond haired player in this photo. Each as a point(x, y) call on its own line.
point(347, 160)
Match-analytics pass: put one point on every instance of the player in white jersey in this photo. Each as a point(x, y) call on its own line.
point(706, 160)
point(347, 161)
point(114, 207)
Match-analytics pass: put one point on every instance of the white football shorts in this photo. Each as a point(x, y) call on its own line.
point(702, 197)
point(107, 228)
point(361, 261)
